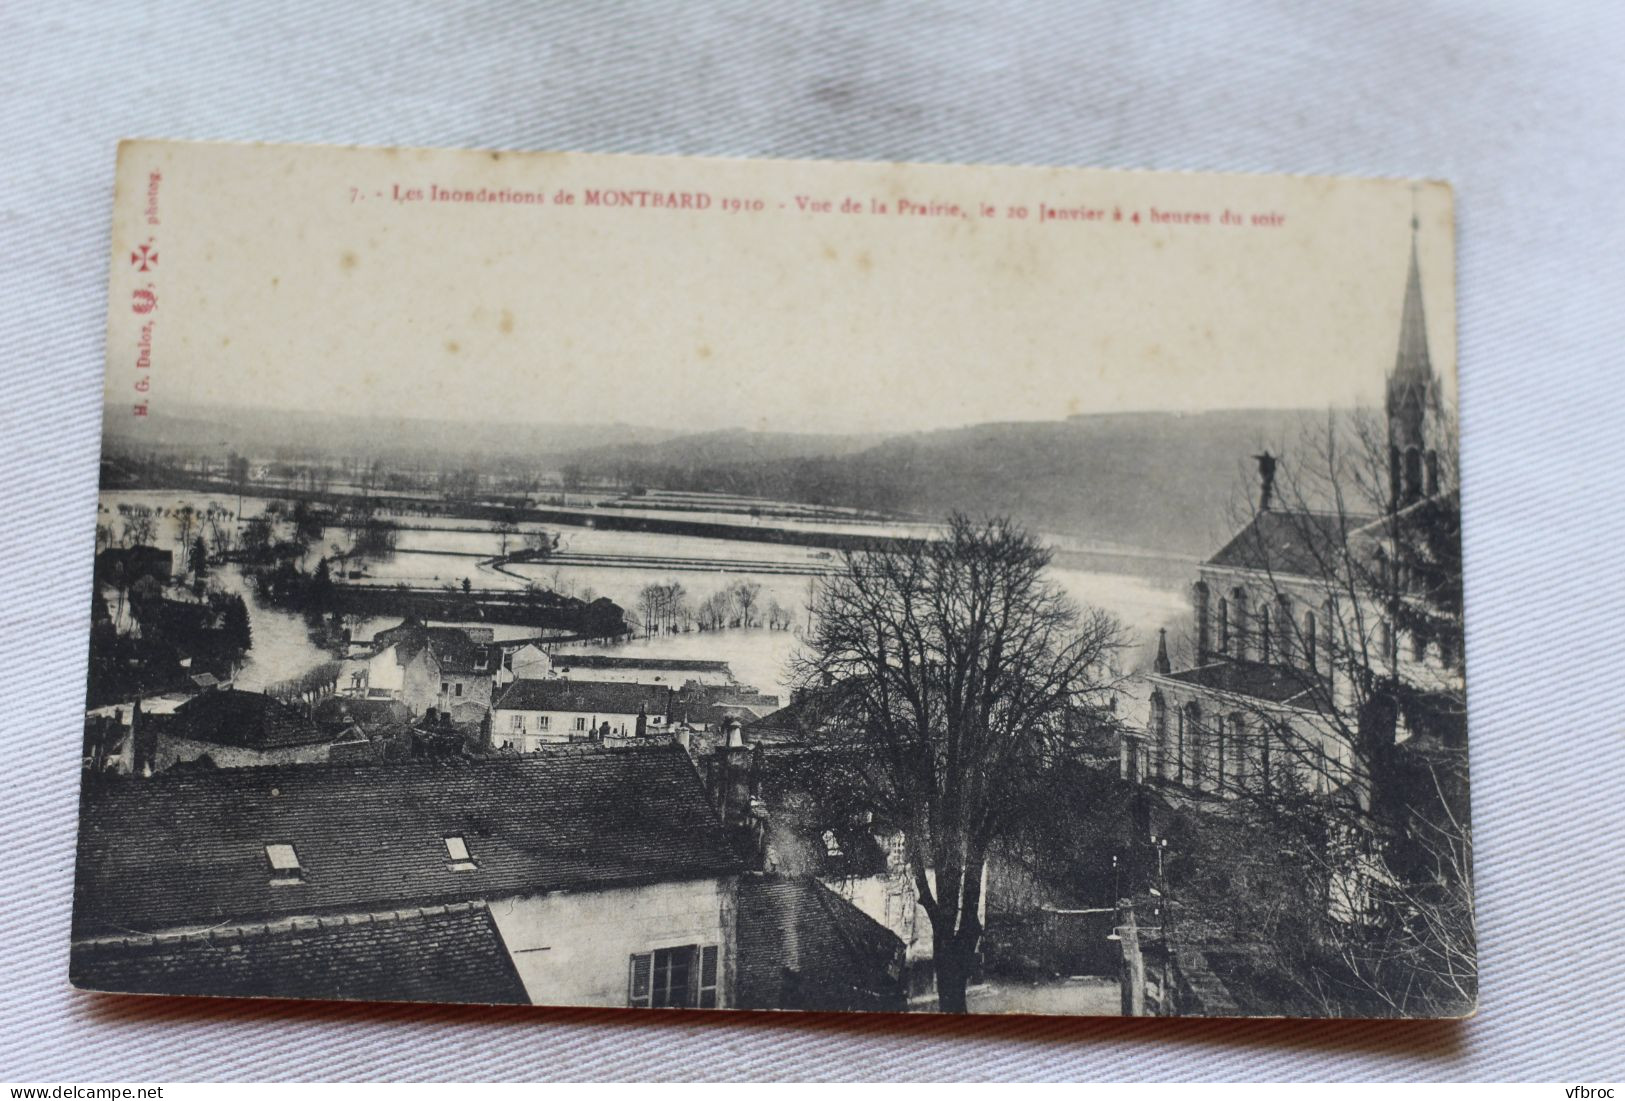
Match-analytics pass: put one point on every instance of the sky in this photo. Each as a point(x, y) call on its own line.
point(341, 280)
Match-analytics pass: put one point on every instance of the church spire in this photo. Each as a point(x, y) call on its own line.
point(1412, 364)
point(1413, 467)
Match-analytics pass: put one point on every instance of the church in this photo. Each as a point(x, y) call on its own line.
point(1308, 607)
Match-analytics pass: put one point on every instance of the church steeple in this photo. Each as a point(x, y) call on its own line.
point(1412, 466)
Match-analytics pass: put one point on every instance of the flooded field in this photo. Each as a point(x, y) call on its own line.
point(440, 551)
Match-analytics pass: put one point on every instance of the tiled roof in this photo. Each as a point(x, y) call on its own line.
point(1290, 542)
point(435, 954)
point(802, 946)
point(593, 697)
point(341, 711)
point(247, 720)
point(189, 849)
point(618, 661)
point(1253, 679)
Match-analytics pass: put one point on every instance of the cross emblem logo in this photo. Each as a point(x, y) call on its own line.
point(144, 257)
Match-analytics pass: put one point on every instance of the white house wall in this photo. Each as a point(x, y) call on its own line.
point(576, 947)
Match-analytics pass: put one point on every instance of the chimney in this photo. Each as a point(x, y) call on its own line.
point(733, 767)
point(1162, 665)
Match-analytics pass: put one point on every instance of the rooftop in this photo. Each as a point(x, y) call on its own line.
point(201, 848)
point(1293, 542)
point(456, 955)
point(453, 650)
point(592, 697)
point(246, 720)
point(618, 661)
point(803, 946)
point(1256, 680)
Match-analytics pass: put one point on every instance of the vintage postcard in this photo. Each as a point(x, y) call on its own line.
point(652, 582)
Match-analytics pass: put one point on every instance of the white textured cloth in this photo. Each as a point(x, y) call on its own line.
point(1520, 106)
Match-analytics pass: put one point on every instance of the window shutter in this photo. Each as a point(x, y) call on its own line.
point(642, 969)
point(708, 977)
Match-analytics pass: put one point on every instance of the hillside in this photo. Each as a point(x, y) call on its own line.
point(1162, 481)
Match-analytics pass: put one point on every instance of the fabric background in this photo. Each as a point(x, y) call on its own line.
point(1521, 106)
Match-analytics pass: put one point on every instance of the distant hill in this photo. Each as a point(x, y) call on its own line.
point(272, 432)
point(1163, 481)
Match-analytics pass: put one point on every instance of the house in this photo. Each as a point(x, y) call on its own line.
point(522, 659)
point(444, 669)
point(765, 775)
point(602, 875)
point(580, 876)
point(532, 713)
point(708, 708)
point(227, 728)
point(802, 946)
point(127, 565)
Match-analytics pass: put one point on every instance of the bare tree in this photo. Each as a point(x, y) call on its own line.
point(140, 524)
point(950, 670)
point(745, 595)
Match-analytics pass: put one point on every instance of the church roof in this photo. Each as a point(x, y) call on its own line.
point(1294, 542)
point(1253, 679)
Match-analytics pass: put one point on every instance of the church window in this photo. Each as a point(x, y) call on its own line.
point(1224, 626)
point(1159, 734)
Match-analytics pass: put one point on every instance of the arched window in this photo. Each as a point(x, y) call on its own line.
point(1413, 472)
point(1238, 598)
point(1224, 626)
point(1220, 778)
point(1309, 641)
point(1199, 604)
point(1283, 627)
point(1244, 772)
point(1179, 746)
point(1266, 642)
point(1159, 734)
point(1266, 779)
point(1385, 639)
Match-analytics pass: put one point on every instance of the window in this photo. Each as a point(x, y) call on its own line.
point(285, 866)
point(674, 978)
point(459, 688)
point(458, 855)
point(444, 688)
point(1265, 639)
point(581, 723)
point(1159, 736)
point(1224, 626)
point(516, 723)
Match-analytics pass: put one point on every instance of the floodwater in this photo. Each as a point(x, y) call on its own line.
point(616, 565)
